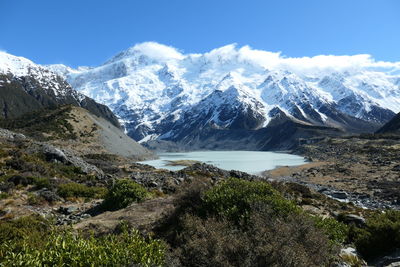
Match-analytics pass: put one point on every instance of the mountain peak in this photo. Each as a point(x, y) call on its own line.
point(150, 50)
point(154, 88)
point(18, 66)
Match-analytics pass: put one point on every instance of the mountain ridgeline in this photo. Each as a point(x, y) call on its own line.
point(27, 87)
point(231, 98)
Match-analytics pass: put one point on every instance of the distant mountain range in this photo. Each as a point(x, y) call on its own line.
point(238, 98)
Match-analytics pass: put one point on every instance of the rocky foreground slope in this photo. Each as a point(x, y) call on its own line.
point(200, 212)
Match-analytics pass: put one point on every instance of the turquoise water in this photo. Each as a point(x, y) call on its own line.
point(253, 162)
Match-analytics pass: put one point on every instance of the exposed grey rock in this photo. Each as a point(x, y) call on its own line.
point(339, 195)
point(392, 260)
point(353, 219)
point(65, 156)
point(54, 154)
point(68, 210)
point(40, 89)
point(11, 136)
point(392, 126)
point(48, 195)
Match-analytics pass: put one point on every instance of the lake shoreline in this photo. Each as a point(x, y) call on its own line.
point(252, 162)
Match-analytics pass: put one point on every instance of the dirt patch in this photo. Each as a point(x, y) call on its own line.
point(141, 216)
point(289, 170)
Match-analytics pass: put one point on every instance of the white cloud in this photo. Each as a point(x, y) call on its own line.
point(300, 65)
point(158, 51)
point(231, 55)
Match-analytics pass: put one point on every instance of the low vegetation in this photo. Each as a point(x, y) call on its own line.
point(46, 124)
point(243, 223)
point(337, 232)
point(217, 222)
point(122, 193)
point(380, 236)
point(33, 241)
point(234, 199)
point(74, 190)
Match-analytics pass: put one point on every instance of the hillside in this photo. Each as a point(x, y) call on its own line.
point(392, 126)
point(77, 129)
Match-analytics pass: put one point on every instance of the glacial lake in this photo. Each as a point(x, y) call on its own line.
point(253, 162)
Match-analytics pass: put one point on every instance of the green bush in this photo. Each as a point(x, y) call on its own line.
point(122, 193)
point(80, 190)
point(31, 242)
point(34, 199)
point(73, 173)
point(4, 195)
point(234, 198)
point(380, 236)
point(242, 223)
point(28, 230)
point(266, 241)
point(337, 232)
point(39, 182)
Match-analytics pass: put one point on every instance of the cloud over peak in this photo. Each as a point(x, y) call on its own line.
point(157, 51)
point(232, 54)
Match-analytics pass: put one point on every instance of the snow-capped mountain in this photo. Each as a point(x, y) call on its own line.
point(26, 87)
point(161, 93)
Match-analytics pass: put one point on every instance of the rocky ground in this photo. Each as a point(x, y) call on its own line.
point(361, 169)
point(344, 176)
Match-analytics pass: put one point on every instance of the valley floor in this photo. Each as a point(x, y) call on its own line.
point(367, 168)
point(342, 175)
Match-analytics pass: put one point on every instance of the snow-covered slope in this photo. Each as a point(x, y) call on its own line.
point(159, 92)
point(18, 67)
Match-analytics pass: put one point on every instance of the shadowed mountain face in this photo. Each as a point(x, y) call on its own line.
point(20, 95)
point(393, 126)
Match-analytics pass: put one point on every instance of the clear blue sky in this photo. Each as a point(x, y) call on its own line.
point(87, 32)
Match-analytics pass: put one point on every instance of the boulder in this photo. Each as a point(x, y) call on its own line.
point(67, 210)
point(339, 195)
point(48, 195)
point(353, 219)
point(11, 136)
point(54, 154)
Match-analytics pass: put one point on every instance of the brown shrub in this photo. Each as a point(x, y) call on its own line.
point(266, 241)
point(198, 237)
